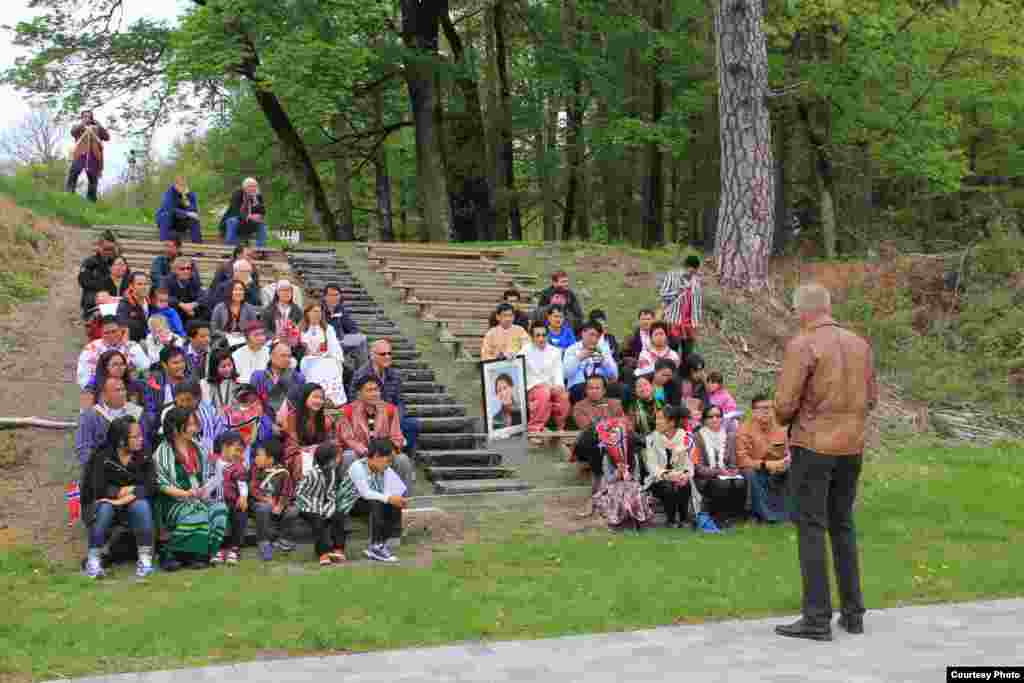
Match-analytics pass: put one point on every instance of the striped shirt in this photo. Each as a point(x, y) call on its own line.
point(317, 493)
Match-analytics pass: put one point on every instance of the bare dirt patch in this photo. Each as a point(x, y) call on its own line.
point(41, 341)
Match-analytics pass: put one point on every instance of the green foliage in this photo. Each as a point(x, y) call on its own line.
point(69, 209)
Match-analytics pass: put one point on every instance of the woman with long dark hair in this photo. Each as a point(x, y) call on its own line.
point(221, 380)
point(230, 316)
point(197, 526)
point(118, 486)
point(323, 360)
point(113, 363)
point(304, 426)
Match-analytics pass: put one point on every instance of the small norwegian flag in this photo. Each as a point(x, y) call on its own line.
point(73, 496)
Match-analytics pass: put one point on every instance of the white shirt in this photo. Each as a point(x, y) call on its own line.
point(543, 366)
point(248, 361)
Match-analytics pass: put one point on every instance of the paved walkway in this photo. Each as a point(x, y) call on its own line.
point(905, 644)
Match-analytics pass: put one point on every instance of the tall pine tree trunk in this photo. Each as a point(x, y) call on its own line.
point(824, 178)
point(654, 181)
point(343, 183)
point(547, 154)
point(746, 215)
point(318, 209)
point(420, 32)
point(382, 178)
point(505, 149)
point(470, 183)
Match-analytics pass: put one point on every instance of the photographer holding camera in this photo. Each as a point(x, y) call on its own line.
point(587, 358)
point(88, 153)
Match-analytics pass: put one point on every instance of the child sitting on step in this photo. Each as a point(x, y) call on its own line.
point(317, 498)
point(236, 496)
point(272, 490)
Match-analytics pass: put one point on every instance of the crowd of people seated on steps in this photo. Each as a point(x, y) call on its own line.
point(205, 404)
point(650, 421)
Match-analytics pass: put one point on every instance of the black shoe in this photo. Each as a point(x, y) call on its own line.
point(801, 629)
point(851, 624)
point(670, 524)
point(169, 564)
point(199, 564)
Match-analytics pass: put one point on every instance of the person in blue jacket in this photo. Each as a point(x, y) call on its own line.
point(179, 211)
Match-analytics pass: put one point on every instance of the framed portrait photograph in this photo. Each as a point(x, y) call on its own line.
point(504, 397)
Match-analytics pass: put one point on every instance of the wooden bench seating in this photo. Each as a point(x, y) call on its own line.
point(466, 265)
point(452, 310)
point(413, 249)
point(492, 294)
point(498, 281)
point(208, 266)
point(442, 274)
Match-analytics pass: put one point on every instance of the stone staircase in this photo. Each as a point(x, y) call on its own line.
point(450, 447)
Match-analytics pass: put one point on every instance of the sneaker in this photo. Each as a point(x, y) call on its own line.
point(266, 551)
point(144, 565)
point(232, 557)
point(284, 545)
point(706, 524)
point(337, 555)
point(380, 553)
point(325, 560)
point(218, 558)
point(93, 566)
point(390, 556)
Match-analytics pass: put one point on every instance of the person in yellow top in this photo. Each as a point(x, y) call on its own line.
point(505, 339)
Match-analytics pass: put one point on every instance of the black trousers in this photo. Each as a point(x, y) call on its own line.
point(237, 523)
point(723, 497)
point(385, 522)
point(675, 500)
point(824, 489)
point(328, 532)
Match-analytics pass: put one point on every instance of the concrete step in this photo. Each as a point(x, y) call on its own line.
point(446, 442)
point(399, 356)
point(458, 458)
point(447, 425)
point(452, 487)
point(432, 399)
point(435, 410)
point(398, 342)
point(469, 473)
point(419, 387)
point(416, 376)
point(402, 364)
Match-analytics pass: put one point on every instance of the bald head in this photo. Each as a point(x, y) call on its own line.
point(812, 301)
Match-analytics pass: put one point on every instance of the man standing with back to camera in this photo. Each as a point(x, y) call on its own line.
point(825, 390)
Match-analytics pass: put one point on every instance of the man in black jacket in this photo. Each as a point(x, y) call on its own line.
point(95, 271)
point(133, 309)
point(560, 293)
point(184, 292)
point(246, 214)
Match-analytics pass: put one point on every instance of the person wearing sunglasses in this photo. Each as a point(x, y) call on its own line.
point(379, 367)
point(184, 292)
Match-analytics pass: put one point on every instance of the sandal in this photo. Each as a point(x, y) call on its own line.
point(325, 560)
point(337, 555)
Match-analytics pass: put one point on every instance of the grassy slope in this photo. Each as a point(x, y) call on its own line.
point(28, 246)
point(69, 209)
point(931, 530)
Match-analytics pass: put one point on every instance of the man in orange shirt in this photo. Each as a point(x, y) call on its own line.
point(761, 458)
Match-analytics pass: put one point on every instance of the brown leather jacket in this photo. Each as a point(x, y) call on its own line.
point(826, 389)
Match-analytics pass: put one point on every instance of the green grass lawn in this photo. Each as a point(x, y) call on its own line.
point(68, 208)
point(936, 525)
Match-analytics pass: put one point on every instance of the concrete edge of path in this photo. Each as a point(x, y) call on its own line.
point(903, 644)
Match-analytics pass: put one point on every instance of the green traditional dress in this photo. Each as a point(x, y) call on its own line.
point(196, 527)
